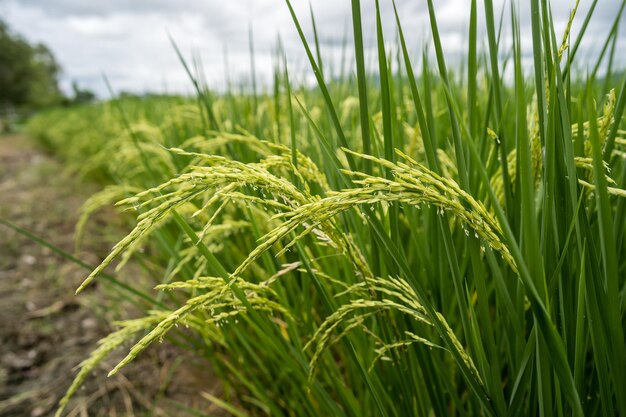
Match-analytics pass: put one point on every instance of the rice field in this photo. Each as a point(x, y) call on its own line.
point(421, 237)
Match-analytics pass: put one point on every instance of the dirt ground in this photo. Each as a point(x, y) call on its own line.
point(45, 331)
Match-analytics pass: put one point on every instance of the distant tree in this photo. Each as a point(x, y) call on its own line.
point(28, 74)
point(81, 95)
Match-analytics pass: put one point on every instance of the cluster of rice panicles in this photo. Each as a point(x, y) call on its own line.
point(218, 299)
point(127, 330)
point(376, 295)
point(217, 180)
point(413, 185)
point(604, 122)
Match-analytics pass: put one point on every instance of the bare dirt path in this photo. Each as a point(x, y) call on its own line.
point(44, 330)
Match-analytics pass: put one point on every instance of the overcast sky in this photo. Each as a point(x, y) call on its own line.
point(128, 39)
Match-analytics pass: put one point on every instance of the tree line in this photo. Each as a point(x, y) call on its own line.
point(29, 77)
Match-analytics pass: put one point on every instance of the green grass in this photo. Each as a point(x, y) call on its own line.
point(381, 244)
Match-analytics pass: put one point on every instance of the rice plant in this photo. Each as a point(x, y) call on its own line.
point(393, 243)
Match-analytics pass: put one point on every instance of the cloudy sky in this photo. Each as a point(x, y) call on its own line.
point(128, 39)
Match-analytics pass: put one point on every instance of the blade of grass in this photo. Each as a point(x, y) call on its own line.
point(322, 86)
point(362, 83)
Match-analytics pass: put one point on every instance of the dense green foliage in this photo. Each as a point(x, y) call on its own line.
point(384, 245)
point(28, 74)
